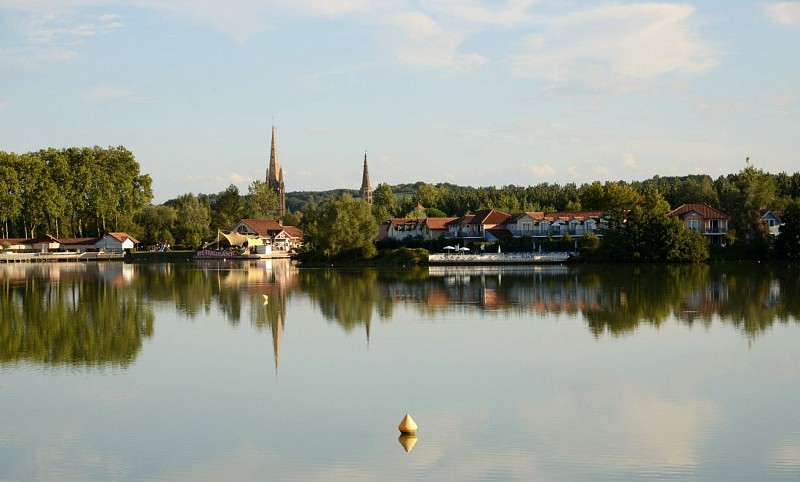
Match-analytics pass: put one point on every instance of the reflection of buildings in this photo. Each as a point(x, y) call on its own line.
point(706, 299)
point(265, 283)
point(535, 289)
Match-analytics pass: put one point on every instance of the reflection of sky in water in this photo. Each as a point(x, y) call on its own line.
point(505, 397)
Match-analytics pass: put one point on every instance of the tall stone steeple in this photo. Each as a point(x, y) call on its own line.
point(275, 176)
point(366, 189)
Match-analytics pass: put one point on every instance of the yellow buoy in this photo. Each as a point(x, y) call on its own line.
point(407, 440)
point(407, 425)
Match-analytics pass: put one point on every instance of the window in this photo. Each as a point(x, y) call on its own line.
point(694, 225)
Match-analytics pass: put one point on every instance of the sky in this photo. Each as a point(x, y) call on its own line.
point(481, 93)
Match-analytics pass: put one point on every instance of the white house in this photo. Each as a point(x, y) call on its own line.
point(116, 242)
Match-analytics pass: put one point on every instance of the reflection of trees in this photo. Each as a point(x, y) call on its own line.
point(649, 294)
point(80, 320)
point(348, 297)
point(615, 299)
point(98, 314)
point(760, 295)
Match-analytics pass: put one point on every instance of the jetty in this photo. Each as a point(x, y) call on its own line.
point(56, 257)
point(498, 258)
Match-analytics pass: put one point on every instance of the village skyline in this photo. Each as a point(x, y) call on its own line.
point(471, 93)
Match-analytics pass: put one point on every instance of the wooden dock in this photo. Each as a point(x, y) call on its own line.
point(58, 257)
point(497, 258)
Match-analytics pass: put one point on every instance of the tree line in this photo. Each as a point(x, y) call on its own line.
point(76, 192)
point(71, 192)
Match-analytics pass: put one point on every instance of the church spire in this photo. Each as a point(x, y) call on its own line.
point(272, 172)
point(275, 176)
point(366, 189)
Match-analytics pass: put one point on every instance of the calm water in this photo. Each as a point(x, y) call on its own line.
point(262, 371)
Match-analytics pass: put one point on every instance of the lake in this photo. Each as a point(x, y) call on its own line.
point(263, 371)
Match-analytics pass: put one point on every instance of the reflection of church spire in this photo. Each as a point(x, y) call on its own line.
point(277, 328)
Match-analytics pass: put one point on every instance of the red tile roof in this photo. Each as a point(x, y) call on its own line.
point(401, 221)
point(704, 210)
point(437, 223)
point(490, 216)
point(121, 237)
point(580, 215)
point(294, 231)
point(262, 227)
point(270, 228)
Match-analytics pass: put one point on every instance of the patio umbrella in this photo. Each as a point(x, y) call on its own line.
point(449, 248)
point(498, 249)
point(463, 249)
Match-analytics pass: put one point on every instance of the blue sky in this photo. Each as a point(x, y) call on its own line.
point(471, 92)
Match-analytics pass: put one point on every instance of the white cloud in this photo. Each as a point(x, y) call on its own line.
point(512, 13)
point(235, 177)
point(539, 170)
point(626, 40)
point(784, 13)
point(419, 39)
point(628, 160)
point(60, 27)
point(575, 172)
point(603, 171)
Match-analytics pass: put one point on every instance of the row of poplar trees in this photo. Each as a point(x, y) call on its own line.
point(72, 192)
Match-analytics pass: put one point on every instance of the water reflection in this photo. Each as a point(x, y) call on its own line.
point(78, 315)
point(97, 314)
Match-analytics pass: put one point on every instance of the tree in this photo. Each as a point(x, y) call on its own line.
point(384, 203)
point(156, 223)
point(787, 245)
point(649, 235)
point(743, 194)
point(193, 218)
point(292, 219)
point(10, 200)
point(345, 225)
point(261, 202)
point(228, 208)
point(427, 195)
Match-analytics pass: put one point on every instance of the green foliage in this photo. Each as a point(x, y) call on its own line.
point(787, 245)
point(341, 227)
point(743, 194)
point(261, 202)
point(435, 213)
point(648, 235)
point(70, 191)
point(193, 219)
point(589, 244)
point(384, 203)
point(292, 219)
point(402, 256)
point(228, 208)
point(157, 223)
point(427, 195)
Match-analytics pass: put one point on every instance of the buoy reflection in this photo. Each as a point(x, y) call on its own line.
point(407, 440)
